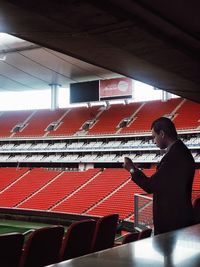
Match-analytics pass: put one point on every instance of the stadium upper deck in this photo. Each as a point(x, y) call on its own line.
point(98, 120)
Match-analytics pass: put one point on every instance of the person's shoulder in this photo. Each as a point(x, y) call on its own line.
point(180, 143)
point(185, 150)
point(179, 147)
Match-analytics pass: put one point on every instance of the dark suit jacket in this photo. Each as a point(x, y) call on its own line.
point(171, 186)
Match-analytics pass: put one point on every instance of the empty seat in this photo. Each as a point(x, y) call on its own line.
point(78, 239)
point(11, 247)
point(105, 231)
point(42, 247)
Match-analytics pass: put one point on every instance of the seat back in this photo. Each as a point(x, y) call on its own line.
point(78, 239)
point(11, 248)
point(105, 231)
point(145, 233)
point(131, 237)
point(42, 247)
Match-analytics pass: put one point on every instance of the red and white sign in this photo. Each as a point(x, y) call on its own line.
point(115, 87)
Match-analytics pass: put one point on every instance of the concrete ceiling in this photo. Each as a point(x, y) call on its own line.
point(27, 66)
point(155, 41)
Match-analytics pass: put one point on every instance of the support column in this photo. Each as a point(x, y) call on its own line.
point(54, 95)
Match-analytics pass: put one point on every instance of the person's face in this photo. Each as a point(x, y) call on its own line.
point(159, 139)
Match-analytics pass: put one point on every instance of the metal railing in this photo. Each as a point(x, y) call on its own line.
point(143, 211)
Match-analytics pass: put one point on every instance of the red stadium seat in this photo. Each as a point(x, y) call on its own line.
point(105, 231)
point(78, 239)
point(42, 247)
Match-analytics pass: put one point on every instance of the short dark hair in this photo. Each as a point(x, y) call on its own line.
point(166, 125)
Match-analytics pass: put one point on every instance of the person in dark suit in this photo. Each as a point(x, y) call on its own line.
point(171, 184)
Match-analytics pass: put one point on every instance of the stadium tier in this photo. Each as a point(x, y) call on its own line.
point(188, 115)
point(98, 189)
point(9, 176)
point(11, 119)
point(73, 120)
point(149, 111)
point(94, 192)
point(70, 160)
point(113, 119)
point(110, 117)
point(24, 186)
point(61, 187)
point(39, 121)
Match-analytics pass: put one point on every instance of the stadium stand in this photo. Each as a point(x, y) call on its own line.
point(9, 119)
point(10, 175)
point(114, 114)
point(87, 188)
point(96, 190)
point(79, 193)
point(73, 121)
point(120, 201)
point(25, 186)
point(58, 189)
point(70, 121)
point(196, 184)
point(187, 116)
point(149, 112)
point(39, 122)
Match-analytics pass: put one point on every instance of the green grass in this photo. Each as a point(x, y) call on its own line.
point(8, 226)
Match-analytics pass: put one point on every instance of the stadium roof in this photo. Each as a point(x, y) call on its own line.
point(156, 42)
point(27, 66)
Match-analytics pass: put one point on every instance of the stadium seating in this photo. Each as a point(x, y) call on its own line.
point(39, 121)
point(42, 247)
point(58, 189)
point(187, 116)
point(105, 231)
point(91, 192)
point(73, 121)
point(121, 201)
point(196, 184)
point(114, 114)
point(11, 249)
point(10, 175)
point(150, 111)
point(26, 185)
point(77, 240)
point(95, 192)
point(9, 119)
point(97, 189)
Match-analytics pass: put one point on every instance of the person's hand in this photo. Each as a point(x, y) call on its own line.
point(129, 165)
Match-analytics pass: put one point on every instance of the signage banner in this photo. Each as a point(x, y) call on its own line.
point(115, 87)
